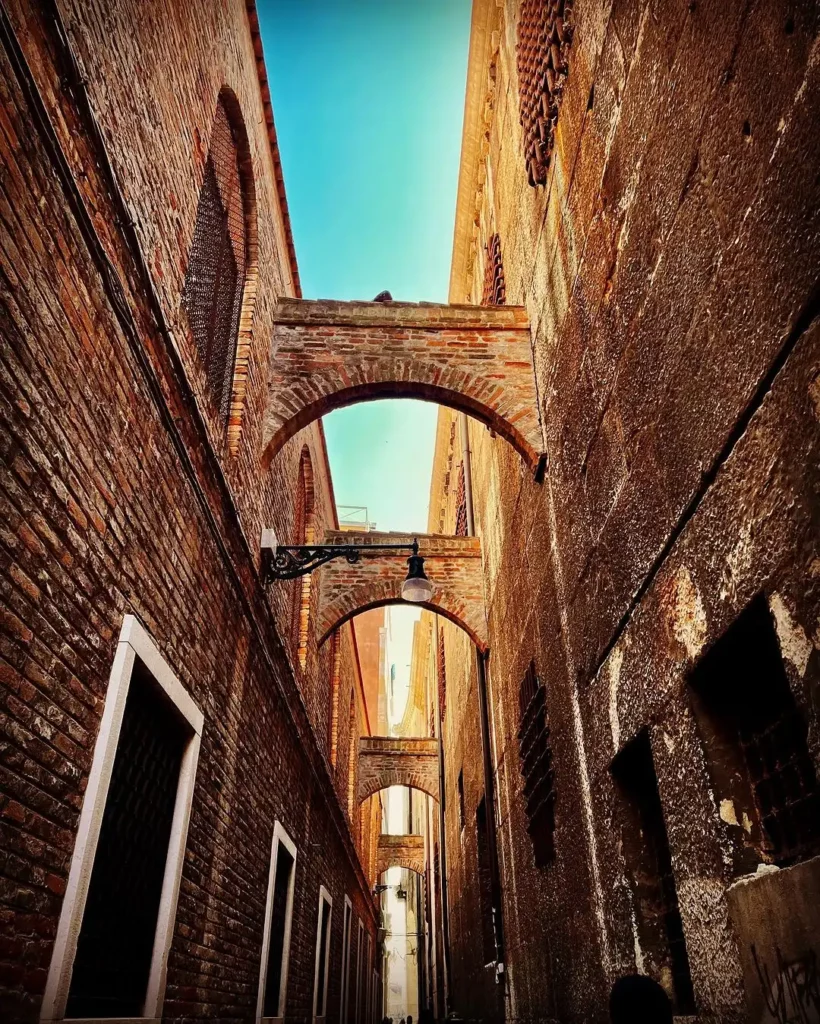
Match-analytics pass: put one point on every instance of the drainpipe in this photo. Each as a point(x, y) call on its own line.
point(484, 719)
point(442, 847)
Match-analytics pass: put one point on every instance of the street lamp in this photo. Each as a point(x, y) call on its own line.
point(289, 561)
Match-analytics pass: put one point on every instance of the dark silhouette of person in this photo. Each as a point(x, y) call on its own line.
point(637, 999)
point(384, 296)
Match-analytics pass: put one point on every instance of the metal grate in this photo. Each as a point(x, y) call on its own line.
point(544, 38)
point(536, 766)
point(461, 505)
point(495, 290)
point(216, 266)
point(442, 675)
point(757, 740)
point(117, 935)
point(279, 910)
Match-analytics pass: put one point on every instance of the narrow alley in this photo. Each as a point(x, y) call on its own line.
point(543, 749)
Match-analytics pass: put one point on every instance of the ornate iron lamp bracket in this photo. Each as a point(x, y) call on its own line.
point(289, 561)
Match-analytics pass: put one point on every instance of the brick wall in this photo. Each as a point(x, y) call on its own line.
point(120, 495)
point(669, 270)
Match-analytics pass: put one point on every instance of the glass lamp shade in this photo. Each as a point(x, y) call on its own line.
point(416, 588)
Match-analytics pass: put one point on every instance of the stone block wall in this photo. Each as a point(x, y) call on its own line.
point(120, 494)
point(669, 270)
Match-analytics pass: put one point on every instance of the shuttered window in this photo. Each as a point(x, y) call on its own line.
point(544, 38)
point(495, 290)
point(536, 766)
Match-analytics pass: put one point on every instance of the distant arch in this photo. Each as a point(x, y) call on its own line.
point(386, 761)
point(446, 605)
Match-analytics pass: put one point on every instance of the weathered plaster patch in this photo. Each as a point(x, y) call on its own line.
point(689, 622)
point(727, 812)
point(739, 560)
point(615, 662)
point(794, 644)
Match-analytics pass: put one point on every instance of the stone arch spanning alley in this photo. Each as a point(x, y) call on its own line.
point(453, 564)
point(477, 359)
point(403, 851)
point(386, 761)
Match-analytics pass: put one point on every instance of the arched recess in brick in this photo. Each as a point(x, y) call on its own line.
point(453, 564)
point(305, 533)
point(219, 294)
point(478, 360)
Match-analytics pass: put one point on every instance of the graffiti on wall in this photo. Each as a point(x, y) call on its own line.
point(792, 990)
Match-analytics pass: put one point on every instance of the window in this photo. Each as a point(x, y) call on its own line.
point(495, 290)
point(485, 889)
point(305, 533)
point(347, 940)
point(544, 37)
point(536, 766)
point(442, 675)
point(649, 868)
point(756, 744)
point(322, 954)
point(366, 977)
point(118, 914)
point(461, 814)
point(359, 969)
point(221, 260)
point(461, 505)
point(273, 978)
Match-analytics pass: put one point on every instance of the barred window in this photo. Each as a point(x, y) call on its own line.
point(461, 505)
point(756, 743)
point(544, 38)
point(536, 766)
point(215, 278)
point(495, 290)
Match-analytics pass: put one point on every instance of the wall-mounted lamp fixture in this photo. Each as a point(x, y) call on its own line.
point(289, 561)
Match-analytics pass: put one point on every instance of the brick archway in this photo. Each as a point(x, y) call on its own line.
point(403, 851)
point(386, 761)
point(452, 563)
point(476, 359)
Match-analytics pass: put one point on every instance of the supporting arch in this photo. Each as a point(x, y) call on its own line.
point(476, 359)
point(402, 851)
point(453, 564)
point(386, 761)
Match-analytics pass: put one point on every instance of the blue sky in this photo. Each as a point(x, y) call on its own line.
point(368, 97)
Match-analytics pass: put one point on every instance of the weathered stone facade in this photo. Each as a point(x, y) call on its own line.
point(669, 269)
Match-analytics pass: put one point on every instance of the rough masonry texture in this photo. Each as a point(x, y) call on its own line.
point(453, 565)
point(391, 761)
point(669, 265)
point(405, 851)
point(326, 355)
